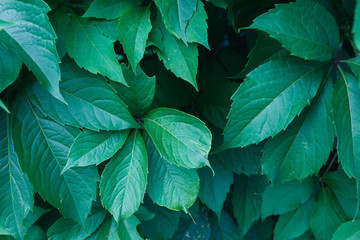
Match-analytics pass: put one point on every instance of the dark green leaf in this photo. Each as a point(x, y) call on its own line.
point(60, 21)
point(109, 9)
point(10, 65)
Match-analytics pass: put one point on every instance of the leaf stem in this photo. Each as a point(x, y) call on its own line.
point(331, 163)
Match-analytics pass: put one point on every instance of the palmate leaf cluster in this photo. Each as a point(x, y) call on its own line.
point(164, 119)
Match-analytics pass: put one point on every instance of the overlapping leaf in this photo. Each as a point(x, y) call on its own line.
point(10, 65)
point(109, 9)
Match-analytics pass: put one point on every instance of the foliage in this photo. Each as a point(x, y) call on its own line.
point(191, 119)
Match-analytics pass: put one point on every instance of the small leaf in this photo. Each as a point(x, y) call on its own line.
point(109, 9)
point(123, 181)
point(91, 147)
point(196, 31)
point(348, 230)
point(180, 138)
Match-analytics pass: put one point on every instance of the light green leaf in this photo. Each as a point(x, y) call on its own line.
point(109, 9)
point(91, 147)
point(169, 185)
point(66, 229)
point(214, 188)
point(4, 24)
point(92, 50)
point(305, 145)
point(345, 101)
point(60, 21)
point(269, 99)
point(246, 200)
point(139, 95)
point(293, 224)
point(176, 15)
point(16, 194)
point(180, 138)
point(3, 106)
point(285, 197)
point(10, 65)
point(349, 230)
point(196, 31)
point(42, 146)
point(356, 25)
point(304, 28)
point(33, 38)
point(123, 181)
point(327, 216)
point(133, 30)
point(127, 229)
point(92, 103)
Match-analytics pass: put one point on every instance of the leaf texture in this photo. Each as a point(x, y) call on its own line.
point(10, 65)
point(109, 9)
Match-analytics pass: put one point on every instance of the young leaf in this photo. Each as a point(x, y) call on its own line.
point(92, 103)
point(91, 147)
point(123, 181)
point(246, 200)
point(109, 9)
point(92, 50)
point(42, 146)
point(16, 192)
point(214, 188)
point(133, 30)
point(345, 101)
point(294, 153)
point(33, 38)
point(269, 99)
point(169, 185)
point(180, 138)
point(285, 197)
point(10, 65)
point(196, 31)
point(305, 28)
point(348, 230)
point(176, 15)
point(140, 93)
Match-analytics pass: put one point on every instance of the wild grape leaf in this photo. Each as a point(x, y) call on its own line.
point(180, 138)
point(169, 185)
point(124, 179)
point(214, 188)
point(304, 28)
point(348, 230)
point(92, 103)
point(246, 200)
point(327, 216)
point(42, 146)
point(127, 229)
point(196, 31)
point(107, 231)
point(60, 21)
point(91, 147)
point(345, 100)
point(92, 50)
point(293, 224)
point(176, 15)
point(108, 28)
point(64, 228)
point(10, 65)
point(226, 229)
point(16, 194)
point(305, 145)
point(356, 25)
point(133, 30)
point(269, 99)
point(139, 95)
point(109, 9)
point(354, 64)
point(285, 197)
point(33, 38)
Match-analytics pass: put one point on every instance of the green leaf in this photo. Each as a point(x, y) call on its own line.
point(196, 31)
point(327, 216)
point(349, 230)
point(123, 182)
point(16, 198)
point(285, 197)
point(108, 28)
point(214, 188)
point(341, 184)
point(4, 24)
point(34, 215)
point(261, 230)
point(92, 50)
point(92, 103)
point(180, 138)
point(76, 189)
point(60, 21)
point(304, 28)
point(133, 30)
point(33, 38)
point(108, 231)
point(91, 147)
point(354, 64)
point(35, 233)
point(176, 15)
point(305, 145)
point(226, 229)
point(109, 9)
point(356, 25)
point(246, 200)
point(66, 229)
point(177, 57)
point(3, 106)
point(127, 229)
point(293, 224)
point(169, 185)
point(269, 99)
point(10, 65)
point(140, 93)
point(345, 99)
